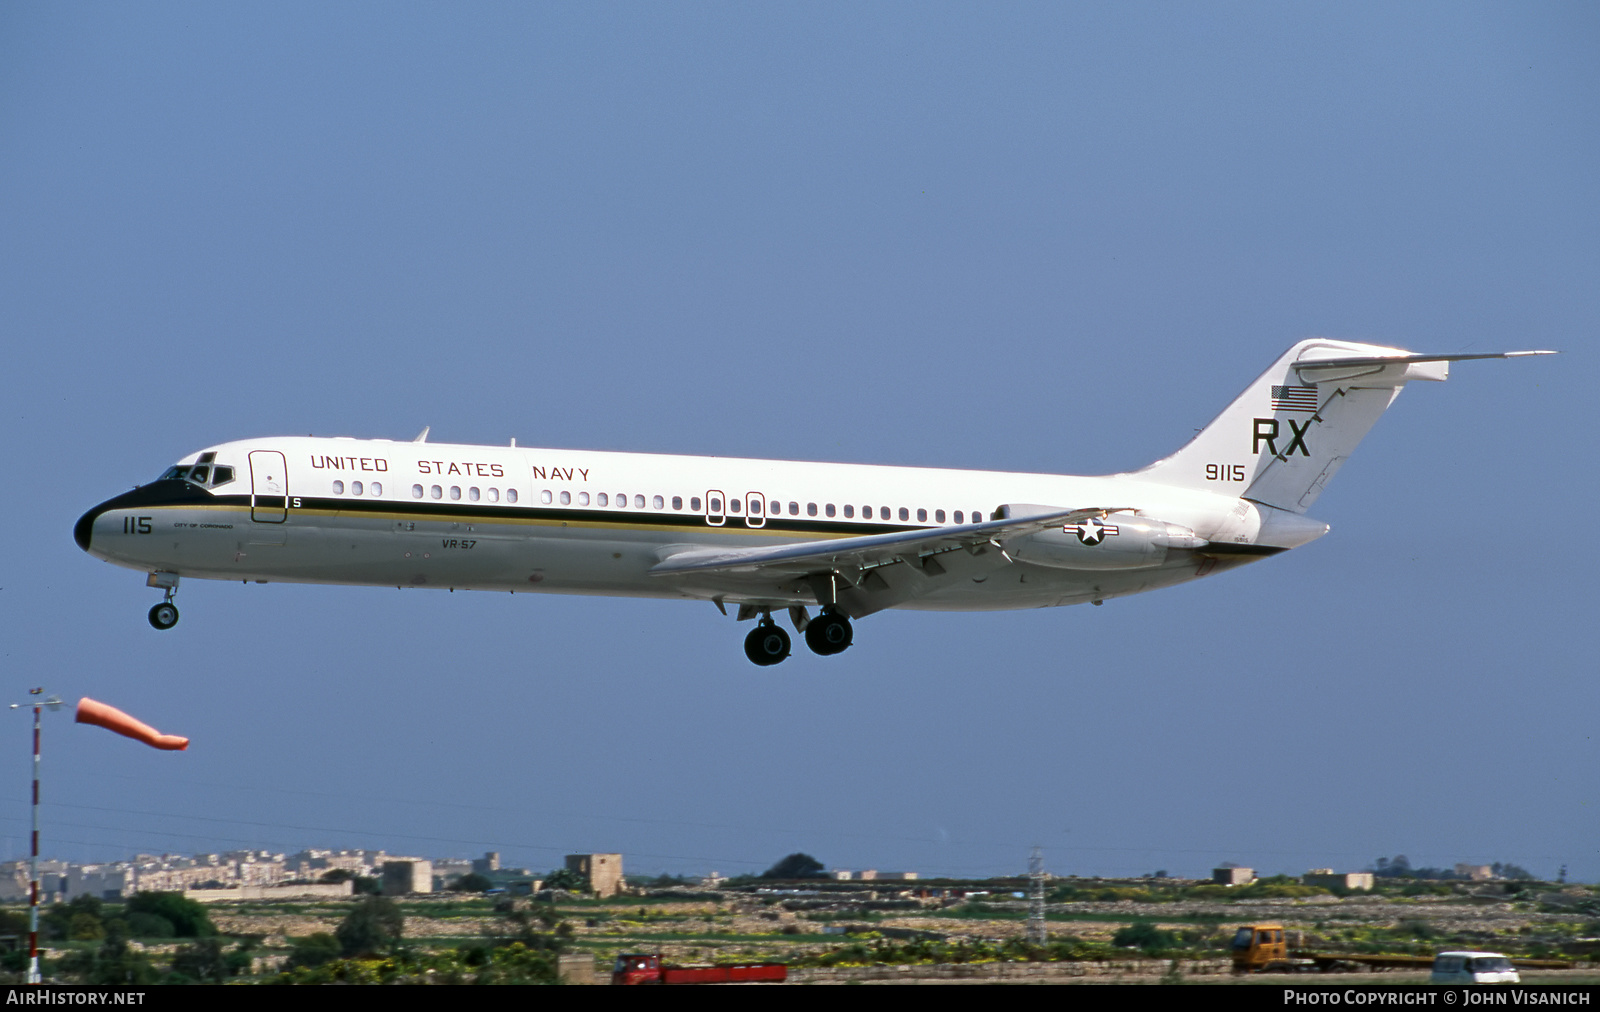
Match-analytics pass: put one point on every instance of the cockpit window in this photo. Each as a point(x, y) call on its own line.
point(199, 473)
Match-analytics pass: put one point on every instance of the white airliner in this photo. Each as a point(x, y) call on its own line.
point(762, 535)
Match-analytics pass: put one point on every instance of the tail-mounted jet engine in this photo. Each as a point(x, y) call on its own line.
point(1117, 541)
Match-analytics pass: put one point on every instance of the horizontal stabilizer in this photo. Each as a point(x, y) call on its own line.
point(1389, 369)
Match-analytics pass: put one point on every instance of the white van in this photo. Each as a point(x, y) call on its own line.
point(1473, 968)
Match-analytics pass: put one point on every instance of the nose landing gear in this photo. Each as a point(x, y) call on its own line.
point(165, 614)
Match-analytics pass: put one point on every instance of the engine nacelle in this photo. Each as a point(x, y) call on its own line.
point(1119, 541)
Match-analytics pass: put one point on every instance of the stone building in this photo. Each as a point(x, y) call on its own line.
point(603, 872)
point(407, 875)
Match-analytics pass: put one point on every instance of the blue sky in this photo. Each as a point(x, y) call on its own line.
point(1043, 237)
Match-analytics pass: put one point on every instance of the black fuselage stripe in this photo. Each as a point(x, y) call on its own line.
point(190, 495)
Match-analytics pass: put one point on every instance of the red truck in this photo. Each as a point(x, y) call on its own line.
point(646, 968)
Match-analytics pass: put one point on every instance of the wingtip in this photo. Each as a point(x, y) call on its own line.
point(1524, 354)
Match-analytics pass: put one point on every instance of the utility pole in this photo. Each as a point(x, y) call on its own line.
point(1036, 930)
point(54, 703)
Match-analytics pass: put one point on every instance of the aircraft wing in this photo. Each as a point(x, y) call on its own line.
point(867, 552)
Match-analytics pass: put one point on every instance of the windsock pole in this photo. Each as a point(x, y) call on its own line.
point(54, 703)
point(33, 860)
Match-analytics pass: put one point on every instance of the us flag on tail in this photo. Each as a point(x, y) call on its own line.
point(1294, 398)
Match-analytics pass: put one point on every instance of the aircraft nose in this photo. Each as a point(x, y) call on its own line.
point(83, 530)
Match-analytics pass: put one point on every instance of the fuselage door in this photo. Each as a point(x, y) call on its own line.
point(755, 509)
point(269, 487)
point(715, 508)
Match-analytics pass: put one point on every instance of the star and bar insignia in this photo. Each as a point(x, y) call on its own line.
point(1091, 531)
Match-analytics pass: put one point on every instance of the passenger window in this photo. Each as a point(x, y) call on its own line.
point(774, 508)
point(416, 491)
point(566, 498)
point(922, 516)
point(494, 495)
point(544, 496)
point(905, 514)
point(436, 492)
point(602, 500)
point(622, 500)
point(355, 488)
point(938, 515)
point(794, 509)
point(716, 506)
point(734, 505)
point(455, 491)
point(338, 488)
point(959, 515)
point(829, 509)
point(657, 502)
point(677, 502)
point(694, 504)
point(638, 502)
point(849, 511)
point(511, 495)
point(583, 498)
point(221, 476)
point(376, 488)
point(811, 509)
point(473, 493)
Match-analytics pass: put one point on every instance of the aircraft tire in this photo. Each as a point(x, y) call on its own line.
point(164, 615)
point(766, 644)
point(829, 633)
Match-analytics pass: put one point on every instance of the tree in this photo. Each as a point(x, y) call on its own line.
point(374, 925)
point(566, 878)
point(796, 866)
point(143, 925)
point(472, 882)
point(114, 963)
point(79, 919)
point(188, 918)
point(1146, 937)
point(314, 950)
point(203, 961)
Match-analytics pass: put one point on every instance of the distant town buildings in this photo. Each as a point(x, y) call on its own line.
point(1327, 878)
point(872, 875)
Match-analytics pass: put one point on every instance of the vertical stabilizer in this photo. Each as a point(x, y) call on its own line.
point(1285, 437)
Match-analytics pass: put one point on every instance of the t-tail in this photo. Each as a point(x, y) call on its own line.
point(1282, 440)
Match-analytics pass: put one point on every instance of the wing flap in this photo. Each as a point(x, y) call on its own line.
point(866, 552)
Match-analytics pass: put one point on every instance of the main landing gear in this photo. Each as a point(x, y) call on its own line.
point(828, 633)
point(767, 642)
point(165, 614)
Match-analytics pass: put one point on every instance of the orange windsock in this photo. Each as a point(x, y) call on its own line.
point(113, 719)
